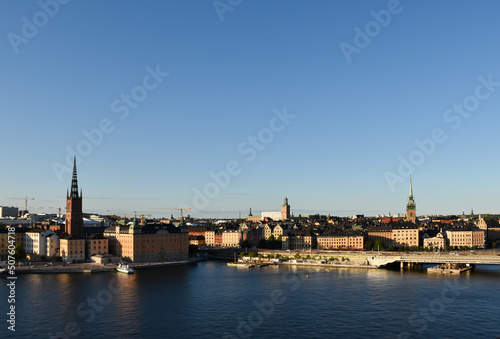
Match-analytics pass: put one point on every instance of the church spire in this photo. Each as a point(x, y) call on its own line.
point(411, 189)
point(74, 181)
point(411, 207)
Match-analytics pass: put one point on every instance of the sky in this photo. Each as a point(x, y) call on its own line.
point(221, 106)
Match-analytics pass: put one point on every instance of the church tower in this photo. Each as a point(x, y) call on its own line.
point(411, 207)
point(74, 215)
point(285, 210)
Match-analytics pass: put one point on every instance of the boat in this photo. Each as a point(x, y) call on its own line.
point(123, 268)
point(3, 270)
point(449, 268)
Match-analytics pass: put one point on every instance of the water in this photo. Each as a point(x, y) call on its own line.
point(211, 300)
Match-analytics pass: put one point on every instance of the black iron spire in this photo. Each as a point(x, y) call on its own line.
point(74, 182)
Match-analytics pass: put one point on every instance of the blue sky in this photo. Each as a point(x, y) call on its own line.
point(354, 117)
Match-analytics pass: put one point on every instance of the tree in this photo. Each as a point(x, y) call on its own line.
point(378, 245)
point(19, 252)
point(245, 244)
point(368, 244)
point(297, 255)
point(494, 244)
point(193, 249)
point(242, 254)
point(252, 254)
point(262, 243)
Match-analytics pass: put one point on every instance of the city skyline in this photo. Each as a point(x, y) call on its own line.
point(174, 102)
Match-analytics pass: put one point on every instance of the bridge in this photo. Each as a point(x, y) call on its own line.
point(437, 258)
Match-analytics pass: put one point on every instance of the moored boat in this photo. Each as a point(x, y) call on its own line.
point(123, 268)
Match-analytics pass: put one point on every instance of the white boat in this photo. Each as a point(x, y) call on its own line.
point(3, 270)
point(123, 268)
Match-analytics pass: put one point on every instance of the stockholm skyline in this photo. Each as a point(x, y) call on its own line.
point(330, 104)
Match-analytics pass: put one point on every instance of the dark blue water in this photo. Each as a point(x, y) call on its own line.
point(211, 300)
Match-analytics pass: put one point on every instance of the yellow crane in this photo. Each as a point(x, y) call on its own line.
point(25, 201)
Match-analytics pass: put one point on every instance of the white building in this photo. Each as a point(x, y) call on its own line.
point(52, 245)
point(439, 241)
point(273, 215)
point(231, 238)
point(35, 241)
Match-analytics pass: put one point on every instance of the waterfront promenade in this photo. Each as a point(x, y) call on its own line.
point(381, 259)
point(41, 268)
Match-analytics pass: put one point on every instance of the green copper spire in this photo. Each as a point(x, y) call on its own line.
point(411, 203)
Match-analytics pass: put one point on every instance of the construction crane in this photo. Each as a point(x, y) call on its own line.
point(25, 201)
point(174, 209)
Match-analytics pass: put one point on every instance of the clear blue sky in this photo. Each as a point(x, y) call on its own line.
point(352, 120)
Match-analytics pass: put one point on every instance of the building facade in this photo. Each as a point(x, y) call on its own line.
point(72, 249)
point(439, 241)
point(8, 211)
point(333, 242)
point(35, 241)
point(466, 238)
point(231, 238)
point(405, 237)
point(95, 245)
point(4, 242)
point(150, 243)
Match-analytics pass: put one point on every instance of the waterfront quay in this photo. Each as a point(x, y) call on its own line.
point(371, 259)
point(62, 268)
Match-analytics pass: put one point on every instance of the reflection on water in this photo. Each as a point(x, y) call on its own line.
point(212, 300)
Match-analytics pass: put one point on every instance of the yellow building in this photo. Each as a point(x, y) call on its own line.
point(405, 237)
point(4, 242)
point(466, 238)
point(231, 238)
point(340, 242)
point(150, 243)
point(297, 240)
point(96, 245)
point(197, 240)
point(210, 238)
point(72, 249)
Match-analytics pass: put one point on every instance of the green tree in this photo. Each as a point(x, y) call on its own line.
point(368, 244)
point(193, 249)
point(19, 252)
point(252, 254)
point(378, 245)
point(297, 255)
point(245, 244)
point(242, 254)
point(262, 243)
point(494, 244)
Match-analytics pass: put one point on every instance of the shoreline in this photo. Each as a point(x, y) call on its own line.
point(95, 268)
point(329, 265)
